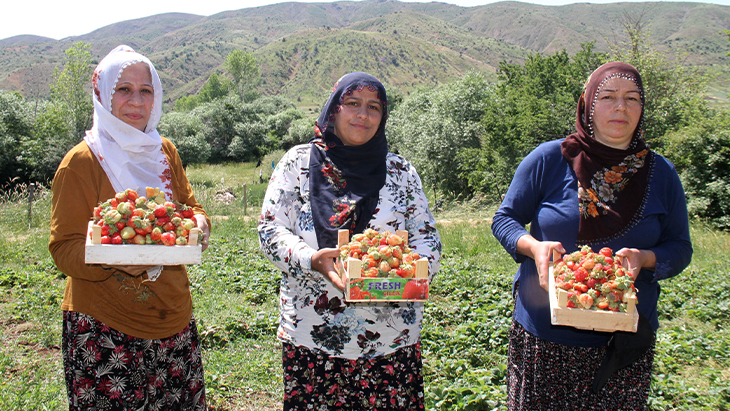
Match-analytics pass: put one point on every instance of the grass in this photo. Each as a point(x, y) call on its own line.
point(235, 302)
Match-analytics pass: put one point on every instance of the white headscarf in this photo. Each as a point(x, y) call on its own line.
point(130, 157)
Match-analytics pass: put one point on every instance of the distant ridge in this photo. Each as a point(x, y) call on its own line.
point(23, 39)
point(303, 47)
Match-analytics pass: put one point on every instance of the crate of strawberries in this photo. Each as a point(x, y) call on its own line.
point(381, 267)
point(130, 229)
point(592, 291)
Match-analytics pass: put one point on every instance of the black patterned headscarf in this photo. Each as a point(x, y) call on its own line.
point(612, 183)
point(345, 181)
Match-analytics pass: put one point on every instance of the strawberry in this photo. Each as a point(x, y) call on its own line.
point(585, 300)
point(168, 238)
point(121, 197)
point(160, 211)
point(127, 233)
point(581, 274)
point(187, 212)
point(131, 194)
point(156, 234)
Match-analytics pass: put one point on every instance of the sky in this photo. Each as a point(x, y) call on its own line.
point(60, 19)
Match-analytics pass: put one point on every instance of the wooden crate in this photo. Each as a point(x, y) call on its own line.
point(380, 289)
point(133, 254)
point(598, 320)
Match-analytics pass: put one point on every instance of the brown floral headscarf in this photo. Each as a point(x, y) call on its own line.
point(612, 183)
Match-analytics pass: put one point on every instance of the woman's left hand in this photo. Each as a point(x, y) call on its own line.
point(203, 226)
point(324, 262)
point(633, 260)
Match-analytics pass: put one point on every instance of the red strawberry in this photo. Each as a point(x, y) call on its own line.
point(168, 238)
point(160, 211)
point(131, 194)
point(156, 234)
point(581, 275)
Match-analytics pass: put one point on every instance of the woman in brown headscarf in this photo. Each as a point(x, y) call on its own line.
point(602, 187)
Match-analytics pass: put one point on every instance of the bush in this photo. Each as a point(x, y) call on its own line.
point(701, 154)
point(432, 126)
point(16, 125)
point(186, 132)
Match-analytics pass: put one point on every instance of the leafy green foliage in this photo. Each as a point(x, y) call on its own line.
point(674, 94)
point(72, 88)
point(16, 125)
point(433, 125)
point(534, 103)
point(186, 132)
point(241, 65)
point(701, 154)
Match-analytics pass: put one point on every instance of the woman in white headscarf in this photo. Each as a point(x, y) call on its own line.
point(129, 337)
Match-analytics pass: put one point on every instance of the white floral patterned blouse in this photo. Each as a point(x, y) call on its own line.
point(313, 311)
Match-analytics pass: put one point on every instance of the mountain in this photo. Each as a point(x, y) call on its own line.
point(302, 48)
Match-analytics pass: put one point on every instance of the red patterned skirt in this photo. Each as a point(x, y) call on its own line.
point(543, 375)
point(109, 370)
point(315, 381)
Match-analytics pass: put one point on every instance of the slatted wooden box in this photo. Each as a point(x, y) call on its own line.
point(370, 289)
point(598, 320)
point(133, 254)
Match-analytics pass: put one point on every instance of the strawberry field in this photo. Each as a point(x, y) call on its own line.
point(235, 303)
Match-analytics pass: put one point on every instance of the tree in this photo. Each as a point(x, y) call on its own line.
point(216, 87)
point(432, 126)
point(299, 132)
point(54, 135)
point(72, 87)
point(533, 103)
point(674, 94)
point(187, 133)
point(16, 127)
point(701, 154)
point(241, 65)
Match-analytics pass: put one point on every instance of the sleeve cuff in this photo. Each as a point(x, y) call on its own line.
point(305, 261)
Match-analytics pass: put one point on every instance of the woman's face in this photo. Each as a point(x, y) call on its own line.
point(359, 117)
point(617, 112)
point(133, 96)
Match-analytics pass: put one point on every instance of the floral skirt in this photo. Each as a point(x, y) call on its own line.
point(315, 381)
point(108, 370)
point(542, 375)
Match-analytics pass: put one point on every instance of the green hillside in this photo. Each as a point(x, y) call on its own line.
point(303, 47)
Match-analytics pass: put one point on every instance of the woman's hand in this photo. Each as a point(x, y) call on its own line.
point(633, 260)
point(324, 262)
point(203, 226)
point(541, 252)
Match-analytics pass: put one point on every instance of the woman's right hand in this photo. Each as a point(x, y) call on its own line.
point(541, 252)
point(324, 262)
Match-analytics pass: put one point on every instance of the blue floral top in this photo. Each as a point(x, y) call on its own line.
point(313, 311)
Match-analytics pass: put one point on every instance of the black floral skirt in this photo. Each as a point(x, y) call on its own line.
point(109, 370)
point(315, 381)
point(543, 375)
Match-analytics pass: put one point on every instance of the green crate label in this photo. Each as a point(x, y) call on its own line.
point(388, 289)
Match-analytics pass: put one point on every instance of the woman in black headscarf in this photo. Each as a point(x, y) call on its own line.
point(600, 187)
point(341, 355)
